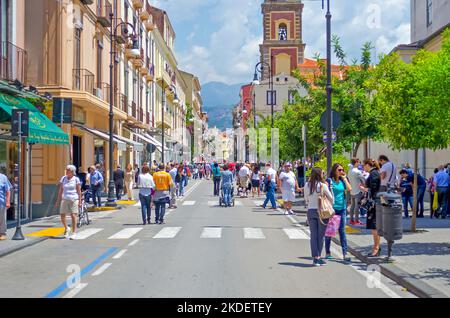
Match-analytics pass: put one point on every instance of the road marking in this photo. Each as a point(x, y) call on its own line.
point(58, 290)
point(253, 234)
point(189, 191)
point(134, 242)
point(75, 291)
point(103, 268)
point(212, 232)
point(189, 203)
point(100, 215)
point(213, 203)
point(138, 204)
point(238, 203)
point(167, 232)
point(125, 233)
point(258, 203)
point(296, 234)
point(87, 233)
point(52, 232)
point(120, 254)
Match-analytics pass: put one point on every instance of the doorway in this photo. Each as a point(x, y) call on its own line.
point(77, 153)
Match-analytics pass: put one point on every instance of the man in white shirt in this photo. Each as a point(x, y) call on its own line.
point(244, 175)
point(356, 179)
point(388, 173)
point(271, 177)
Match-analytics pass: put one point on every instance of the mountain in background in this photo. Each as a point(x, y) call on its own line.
point(219, 100)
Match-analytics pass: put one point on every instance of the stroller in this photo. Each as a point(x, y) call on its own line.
point(221, 197)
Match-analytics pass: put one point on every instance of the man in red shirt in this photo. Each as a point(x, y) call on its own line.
point(231, 166)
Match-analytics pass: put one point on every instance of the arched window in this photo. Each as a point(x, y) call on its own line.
point(282, 32)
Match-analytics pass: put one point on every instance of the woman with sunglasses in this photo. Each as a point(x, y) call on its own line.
point(338, 184)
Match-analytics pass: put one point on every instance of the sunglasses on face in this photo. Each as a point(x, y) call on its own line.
point(341, 170)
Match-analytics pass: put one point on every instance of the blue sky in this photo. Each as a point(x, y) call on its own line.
point(218, 40)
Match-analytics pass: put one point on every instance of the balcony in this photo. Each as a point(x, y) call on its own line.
point(13, 62)
point(151, 72)
point(144, 70)
point(138, 4)
point(83, 80)
point(104, 10)
point(87, 2)
point(141, 115)
point(145, 14)
point(149, 26)
point(139, 61)
point(123, 103)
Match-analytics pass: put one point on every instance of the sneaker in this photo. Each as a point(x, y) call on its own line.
point(329, 257)
point(321, 262)
point(286, 212)
point(73, 236)
point(316, 262)
point(291, 212)
point(262, 206)
point(353, 222)
point(67, 232)
point(359, 223)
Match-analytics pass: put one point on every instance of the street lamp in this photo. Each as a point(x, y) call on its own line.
point(329, 91)
point(135, 52)
point(259, 68)
point(175, 101)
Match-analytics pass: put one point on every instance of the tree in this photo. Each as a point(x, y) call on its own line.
point(414, 102)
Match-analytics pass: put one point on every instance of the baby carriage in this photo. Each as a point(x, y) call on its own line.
point(221, 197)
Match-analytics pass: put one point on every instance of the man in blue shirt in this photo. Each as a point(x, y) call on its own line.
point(421, 186)
point(96, 182)
point(441, 181)
point(5, 203)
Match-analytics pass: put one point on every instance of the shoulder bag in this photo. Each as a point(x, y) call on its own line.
point(325, 210)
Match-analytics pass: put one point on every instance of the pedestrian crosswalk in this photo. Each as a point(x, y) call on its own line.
point(211, 203)
point(216, 232)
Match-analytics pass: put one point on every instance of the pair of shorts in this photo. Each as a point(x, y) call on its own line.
point(69, 207)
point(243, 181)
point(288, 195)
point(255, 183)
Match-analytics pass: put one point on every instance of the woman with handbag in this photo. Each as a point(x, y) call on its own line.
point(317, 196)
point(338, 184)
point(373, 184)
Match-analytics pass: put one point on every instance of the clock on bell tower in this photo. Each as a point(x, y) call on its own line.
point(283, 47)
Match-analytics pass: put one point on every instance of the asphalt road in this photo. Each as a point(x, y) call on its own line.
point(203, 250)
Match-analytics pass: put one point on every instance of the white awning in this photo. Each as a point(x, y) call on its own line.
point(150, 140)
point(136, 145)
point(121, 146)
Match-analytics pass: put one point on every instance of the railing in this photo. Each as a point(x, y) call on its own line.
point(13, 62)
point(133, 109)
point(83, 80)
point(123, 103)
point(104, 9)
point(106, 88)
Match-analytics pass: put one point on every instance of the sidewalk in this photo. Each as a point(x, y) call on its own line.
point(421, 260)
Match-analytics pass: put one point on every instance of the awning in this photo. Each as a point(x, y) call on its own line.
point(121, 146)
point(150, 140)
point(136, 145)
point(41, 129)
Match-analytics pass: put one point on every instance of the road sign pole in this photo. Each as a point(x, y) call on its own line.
point(18, 234)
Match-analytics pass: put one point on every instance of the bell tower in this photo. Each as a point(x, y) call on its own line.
point(283, 46)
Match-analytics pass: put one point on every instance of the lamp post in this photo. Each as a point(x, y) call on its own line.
point(259, 68)
point(176, 101)
point(329, 91)
point(135, 50)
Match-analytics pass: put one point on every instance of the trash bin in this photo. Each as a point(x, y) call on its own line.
point(389, 218)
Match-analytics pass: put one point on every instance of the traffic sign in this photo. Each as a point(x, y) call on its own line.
point(325, 136)
point(336, 120)
point(20, 123)
point(151, 148)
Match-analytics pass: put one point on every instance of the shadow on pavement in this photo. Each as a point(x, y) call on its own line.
point(409, 249)
point(436, 273)
point(296, 264)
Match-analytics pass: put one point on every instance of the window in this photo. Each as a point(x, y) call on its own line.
point(291, 97)
point(99, 61)
point(282, 32)
point(77, 57)
point(126, 12)
point(429, 12)
point(4, 20)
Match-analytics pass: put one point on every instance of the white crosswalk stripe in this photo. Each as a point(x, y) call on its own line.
point(82, 235)
point(167, 232)
point(296, 234)
point(258, 203)
point(189, 203)
point(253, 234)
point(212, 232)
point(125, 233)
point(238, 203)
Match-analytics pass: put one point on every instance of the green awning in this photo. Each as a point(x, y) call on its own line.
point(42, 129)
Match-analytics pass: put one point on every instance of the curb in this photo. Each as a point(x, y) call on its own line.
point(405, 279)
point(22, 246)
